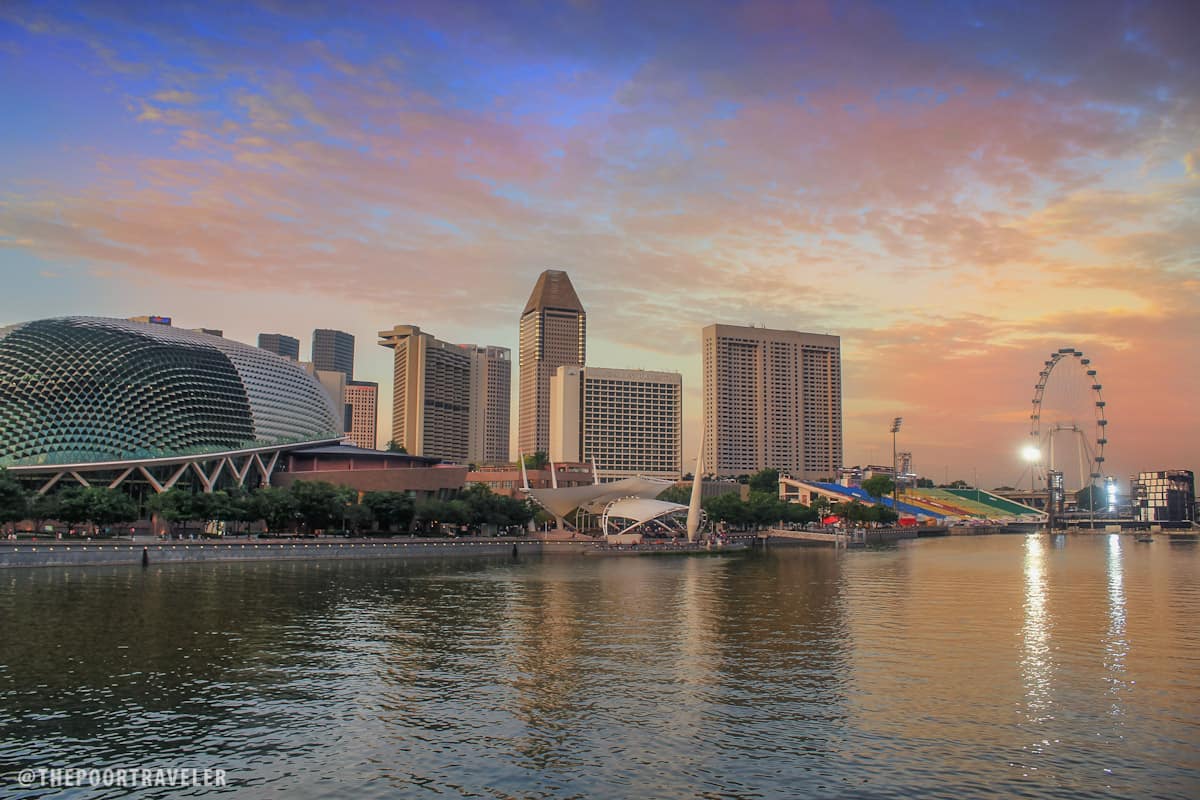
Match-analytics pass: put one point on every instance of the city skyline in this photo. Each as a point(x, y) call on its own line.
point(956, 193)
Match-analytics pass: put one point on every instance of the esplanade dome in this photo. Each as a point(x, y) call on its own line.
point(88, 389)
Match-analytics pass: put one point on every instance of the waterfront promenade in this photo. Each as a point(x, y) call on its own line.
point(49, 553)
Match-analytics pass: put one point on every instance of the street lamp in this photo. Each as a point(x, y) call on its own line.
point(895, 476)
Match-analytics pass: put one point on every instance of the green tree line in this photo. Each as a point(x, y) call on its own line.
point(304, 506)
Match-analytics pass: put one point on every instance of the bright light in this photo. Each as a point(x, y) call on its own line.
point(1031, 453)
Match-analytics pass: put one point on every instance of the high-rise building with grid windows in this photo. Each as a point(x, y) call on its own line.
point(333, 351)
point(431, 394)
point(280, 344)
point(772, 399)
point(491, 402)
point(628, 422)
point(362, 411)
point(553, 335)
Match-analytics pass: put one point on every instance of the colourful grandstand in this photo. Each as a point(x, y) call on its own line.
point(939, 505)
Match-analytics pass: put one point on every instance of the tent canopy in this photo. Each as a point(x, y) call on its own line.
point(593, 498)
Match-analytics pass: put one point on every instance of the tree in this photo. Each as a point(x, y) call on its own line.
point(820, 506)
point(765, 480)
point(14, 502)
point(676, 494)
point(276, 507)
point(42, 508)
point(73, 507)
point(359, 518)
point(878, 486)
point(100, 506)
point(174, 505)
point(110, 506)
point(319, 504)
point(959, 485)
point(395, 447)
point(728, 508)
point(924, 483)
point(538, 460)
point(390, 509)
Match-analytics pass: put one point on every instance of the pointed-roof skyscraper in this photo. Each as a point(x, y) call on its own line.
point(553, 335)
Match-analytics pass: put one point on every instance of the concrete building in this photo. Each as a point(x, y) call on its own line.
point(431, 394)
point(491, 403)
point(333, 351)
point(280, 344)
point(1165, 496)
point(628, 421)
point(372, 471)
point(506, 479)
point(334, 384)
point(771, 399)
point(362, 408)
point(553, 334)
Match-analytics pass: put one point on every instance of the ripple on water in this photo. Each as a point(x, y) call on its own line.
point(983, 666)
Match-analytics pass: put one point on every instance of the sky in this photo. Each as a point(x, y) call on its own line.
point(957, 190)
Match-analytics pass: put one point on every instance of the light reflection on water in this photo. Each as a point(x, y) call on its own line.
point(974, 666)
point(1036, 664)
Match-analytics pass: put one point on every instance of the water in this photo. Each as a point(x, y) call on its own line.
point(967, 667)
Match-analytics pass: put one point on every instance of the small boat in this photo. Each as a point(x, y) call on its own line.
point(1145, 537)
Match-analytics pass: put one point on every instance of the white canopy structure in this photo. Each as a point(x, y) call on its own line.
point(638, 511)
point(594, 498)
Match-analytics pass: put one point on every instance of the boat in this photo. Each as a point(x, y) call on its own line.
point(1144, 537)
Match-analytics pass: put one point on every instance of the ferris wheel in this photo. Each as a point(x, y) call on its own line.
point(1069, 411)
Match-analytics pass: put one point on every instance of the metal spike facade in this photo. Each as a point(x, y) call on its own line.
point(87, 389)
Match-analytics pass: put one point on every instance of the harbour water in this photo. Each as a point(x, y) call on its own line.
point(1032, 666)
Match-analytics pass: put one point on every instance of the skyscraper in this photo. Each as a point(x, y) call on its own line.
point(772, 399)
point(491, 389)
point(628, 422)
point(362, 403)
point(280, 344)
point(553, 335)
point(333, 351)
point(431, 394)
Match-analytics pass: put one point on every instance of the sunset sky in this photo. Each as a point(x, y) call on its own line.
point(955, 190)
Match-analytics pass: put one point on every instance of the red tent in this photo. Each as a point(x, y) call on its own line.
point(830, 520)
point(908, 522)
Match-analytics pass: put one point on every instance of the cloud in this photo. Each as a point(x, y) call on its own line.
point(952, 193)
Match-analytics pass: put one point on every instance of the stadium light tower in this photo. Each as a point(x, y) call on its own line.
point(895, 477)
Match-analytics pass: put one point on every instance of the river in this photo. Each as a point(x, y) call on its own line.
point(1030, 666)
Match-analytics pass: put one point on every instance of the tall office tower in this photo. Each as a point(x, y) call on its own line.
point(491, 389)
point(772, 399)
point(628, 422)
point(553, 335)
point(333, 351)
point(280, 344)
point(431, 394)
point(362, 409)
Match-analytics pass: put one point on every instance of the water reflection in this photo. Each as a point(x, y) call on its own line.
point(1116, 646)
point(973, 666)
point(1036, 665)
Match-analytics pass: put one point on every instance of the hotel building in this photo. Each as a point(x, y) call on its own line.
point(772, 399)
point(431, 394)
point(491, 389)
point(553, 334)
point(362, 410)
point(629, 422)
